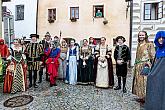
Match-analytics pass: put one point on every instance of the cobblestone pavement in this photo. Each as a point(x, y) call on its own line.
point(78, 97)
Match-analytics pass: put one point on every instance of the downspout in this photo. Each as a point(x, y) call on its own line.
point(37, 17)
point(0, 18)
point(131, 20)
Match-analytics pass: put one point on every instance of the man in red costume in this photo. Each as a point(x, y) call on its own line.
point(52, 53)
point(4, 49)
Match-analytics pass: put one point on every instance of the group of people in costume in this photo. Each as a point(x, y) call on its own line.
point(90, 63)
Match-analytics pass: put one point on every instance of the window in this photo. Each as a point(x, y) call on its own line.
point(19, 12)
point(98, 40)
point(74, 12)
point(51, 15)
point(98, 11)
point(68, 40)
point(153, 11)
point(114, 42)
point(6, 0)
point(4, 11)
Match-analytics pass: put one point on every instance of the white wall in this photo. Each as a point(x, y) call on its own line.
point(28, 25)
point(150, 26)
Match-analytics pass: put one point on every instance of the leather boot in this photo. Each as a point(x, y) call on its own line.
point(119, 84)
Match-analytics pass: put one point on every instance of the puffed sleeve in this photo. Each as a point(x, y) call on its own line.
point(67, 55)
point(109, 50)
point(81, 56)
point(151, 51)
point(77, 52)
point(97, 51)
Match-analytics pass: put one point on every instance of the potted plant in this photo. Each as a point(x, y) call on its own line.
point(73, 19)
point(105, 22)
point(51, 20)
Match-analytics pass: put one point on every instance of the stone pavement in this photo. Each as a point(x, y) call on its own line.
point(78, 97)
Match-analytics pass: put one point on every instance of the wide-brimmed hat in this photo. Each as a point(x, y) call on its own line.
point(120, 37)
point(47, 34)
point(34, 35)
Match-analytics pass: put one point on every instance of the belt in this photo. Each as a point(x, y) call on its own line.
point(140, 61)
point(72, 55)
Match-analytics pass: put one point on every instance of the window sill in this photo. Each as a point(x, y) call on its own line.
point(98, 17)
point(151, 21)
point(19, 20)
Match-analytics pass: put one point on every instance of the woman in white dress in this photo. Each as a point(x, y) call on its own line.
point(104, 75)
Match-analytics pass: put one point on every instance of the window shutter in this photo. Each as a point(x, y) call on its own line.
point(160, 10)
point(54, 14)
point(49, 15)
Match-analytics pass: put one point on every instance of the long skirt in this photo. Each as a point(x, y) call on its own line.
point(72, 70)
point(91, 69)
point(1, 71)
point(8, 79)
point(102, 76)
point(62, 67)
point(19, 83)
point(83, 74)
point(139, 81)
point(155, 93)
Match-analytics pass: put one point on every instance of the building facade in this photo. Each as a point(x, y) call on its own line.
point(81, 19)
point(1, 1)
point(24, 12)
point(148, 15)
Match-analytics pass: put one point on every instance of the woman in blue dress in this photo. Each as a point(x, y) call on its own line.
point(72, 62)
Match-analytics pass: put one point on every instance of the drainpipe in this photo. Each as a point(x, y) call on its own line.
point(0, 18)
point(131, 23)
point(37, 16)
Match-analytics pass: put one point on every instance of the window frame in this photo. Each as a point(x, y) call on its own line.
point(156, 11)
point(74, 8)
point(16, 12)
point(52, 14)
point(94, 10)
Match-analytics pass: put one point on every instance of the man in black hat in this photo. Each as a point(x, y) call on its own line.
point(45, 44)
point(121, 56)
point(33, 52)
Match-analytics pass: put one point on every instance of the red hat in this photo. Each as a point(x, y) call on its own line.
point(1, 41)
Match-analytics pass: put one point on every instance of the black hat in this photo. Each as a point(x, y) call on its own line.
point(34, 35)
point(120, 37)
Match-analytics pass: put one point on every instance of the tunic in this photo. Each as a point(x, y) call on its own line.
point(33, 52)
point(122, 53)
point(52, 63)
point(144, 55)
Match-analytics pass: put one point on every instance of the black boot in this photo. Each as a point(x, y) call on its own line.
point(51, 85)
point(34, 79)
point(119, 84)
point(55, 82)
point(40, 76)
point(124, 83)
point(47, 77)
point(30, 79)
